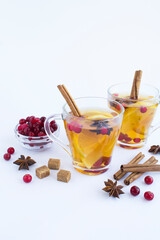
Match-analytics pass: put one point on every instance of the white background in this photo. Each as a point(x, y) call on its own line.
point(87, 45)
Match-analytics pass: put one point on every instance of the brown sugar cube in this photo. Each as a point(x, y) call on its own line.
point(54, 164)
point(42, 172)
point(63, 176)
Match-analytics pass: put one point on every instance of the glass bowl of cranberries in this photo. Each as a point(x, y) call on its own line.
point(31, 134)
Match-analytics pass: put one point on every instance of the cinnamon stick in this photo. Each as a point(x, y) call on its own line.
point(133, 176)
point(69, 100)
point(136, 84)
point(118, 175)
point(141, 168)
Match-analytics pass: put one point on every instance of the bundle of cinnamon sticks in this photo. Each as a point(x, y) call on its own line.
point(136, 169)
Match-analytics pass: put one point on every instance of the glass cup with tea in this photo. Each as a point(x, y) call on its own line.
point(138, 115)
point(93, 135)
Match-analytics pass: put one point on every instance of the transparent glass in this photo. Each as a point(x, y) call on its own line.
point(92, 136)
point(138, 115)
point(34, 143)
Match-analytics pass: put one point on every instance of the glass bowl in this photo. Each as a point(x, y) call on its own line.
point(35, 143)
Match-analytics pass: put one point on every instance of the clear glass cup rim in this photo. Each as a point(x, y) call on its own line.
point(157, 96)
point(102, 98)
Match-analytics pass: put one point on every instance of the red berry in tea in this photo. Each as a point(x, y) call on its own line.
point(148, 180)
point(10, 150)
point(136, 140)
point(27, 178)
point(135, 190)
point(104, 131)
point(143, 109)
point(77, 128)
point(7, 156)
point(118, 107)
point(148, 195)
point(121, 137)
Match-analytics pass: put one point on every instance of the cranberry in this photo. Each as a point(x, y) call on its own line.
point(121, 137)
point(42, 129)
point(143, 109)
point(104, 131)
point(21, 132)
point(10, 150)
point(134, 190)
point(148, 195)
point(26, 131)
point(27, 119)
point(21, 121)
point(136, 140)
point(32, 119)
point(128, 139)
point(41, 134)
point(43, 119)
point(77, 127)
point(27, 178)
point(70, 126)
point(54, 126)
point(31, 145)
point(125, 137)
point(20, 128)
point(118, 107)
point(37, 120)
point(103, 160)
point(31, 134)
point(42, 124)
point(36, 130)
point(52, 122)
point(24, 125)
point(74, 126)
point(123, 104)
point(148, 180)
point(7, 156)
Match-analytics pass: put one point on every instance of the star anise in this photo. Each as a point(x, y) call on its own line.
point(155, 149)
point(113, 189)
point(100, 124)
point(24, 162)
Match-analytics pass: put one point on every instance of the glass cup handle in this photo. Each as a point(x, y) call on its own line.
point(53, 136)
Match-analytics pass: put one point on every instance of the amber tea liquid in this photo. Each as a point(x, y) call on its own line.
point(137, 120)
point(92, 139)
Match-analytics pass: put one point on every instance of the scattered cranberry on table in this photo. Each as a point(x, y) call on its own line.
point(34, 127)
point(7, 156)
point(148, 180)
point(134, 190)
point(10, 150)
point(27, 178)
point(148, 195)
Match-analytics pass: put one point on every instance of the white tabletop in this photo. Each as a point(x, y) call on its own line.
point(87, 45)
